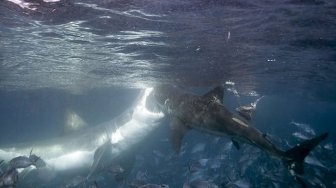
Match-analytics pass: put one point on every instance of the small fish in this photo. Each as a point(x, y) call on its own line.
point(247, 110)
point(304, 127)
point(24, 161)
point(200, 184)
point(234, 91)
point(315, 182)
point(227, 147)
point(159, 154)
point(74, 182)
point(313, 161)
point(154, 186)
point(215, 163)
point(117, 172)
point(142, 176)
point(328, 146)
point(94, 185)
point(253, 94)
point(1, 167)
point(116, 169)
point(203, 162)
point(245, 165)
point(186, 185)
point(37, 161)
point(241, 184)
point(46, 174)
point(197, 175)
point(20, 162)
point(300, 136)
point(193, 167)
point(9, 178)
point(198, 148)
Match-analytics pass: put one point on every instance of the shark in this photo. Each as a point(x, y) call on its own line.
point(77, 150)
point(207, 113)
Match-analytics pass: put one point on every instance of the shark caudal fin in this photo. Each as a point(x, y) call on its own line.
point(294, 157)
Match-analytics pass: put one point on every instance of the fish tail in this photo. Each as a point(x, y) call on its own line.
point(295, 156)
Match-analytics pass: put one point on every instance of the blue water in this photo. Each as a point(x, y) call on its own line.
point(93, 56)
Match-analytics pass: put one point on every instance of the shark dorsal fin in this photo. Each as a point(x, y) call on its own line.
point(178, 130)
point(73, 122)
point(215, 94)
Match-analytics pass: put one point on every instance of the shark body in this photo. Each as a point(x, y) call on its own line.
point(208, 114)
point(76, 151)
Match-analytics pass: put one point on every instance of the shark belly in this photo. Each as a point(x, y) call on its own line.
point(76, 150)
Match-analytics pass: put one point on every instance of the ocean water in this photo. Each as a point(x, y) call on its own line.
point(93, 57)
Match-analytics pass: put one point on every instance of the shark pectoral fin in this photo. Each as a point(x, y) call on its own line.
point(101, 158)
point(178, 130)
point(236, 144)
point(215, 94)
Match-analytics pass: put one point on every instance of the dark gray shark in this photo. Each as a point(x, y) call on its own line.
point(207, 113)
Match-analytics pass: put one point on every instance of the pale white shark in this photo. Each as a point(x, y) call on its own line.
point(76, 151)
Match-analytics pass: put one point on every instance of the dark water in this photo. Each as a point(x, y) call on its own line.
point(92, 56)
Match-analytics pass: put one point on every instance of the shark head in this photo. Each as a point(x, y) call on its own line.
point(93, 146)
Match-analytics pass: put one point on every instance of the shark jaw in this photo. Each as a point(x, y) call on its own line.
point(76, 151)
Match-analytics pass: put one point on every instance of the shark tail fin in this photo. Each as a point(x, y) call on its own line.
point(295, 156)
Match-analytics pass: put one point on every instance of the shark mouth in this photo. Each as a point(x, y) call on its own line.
point(142, 118)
